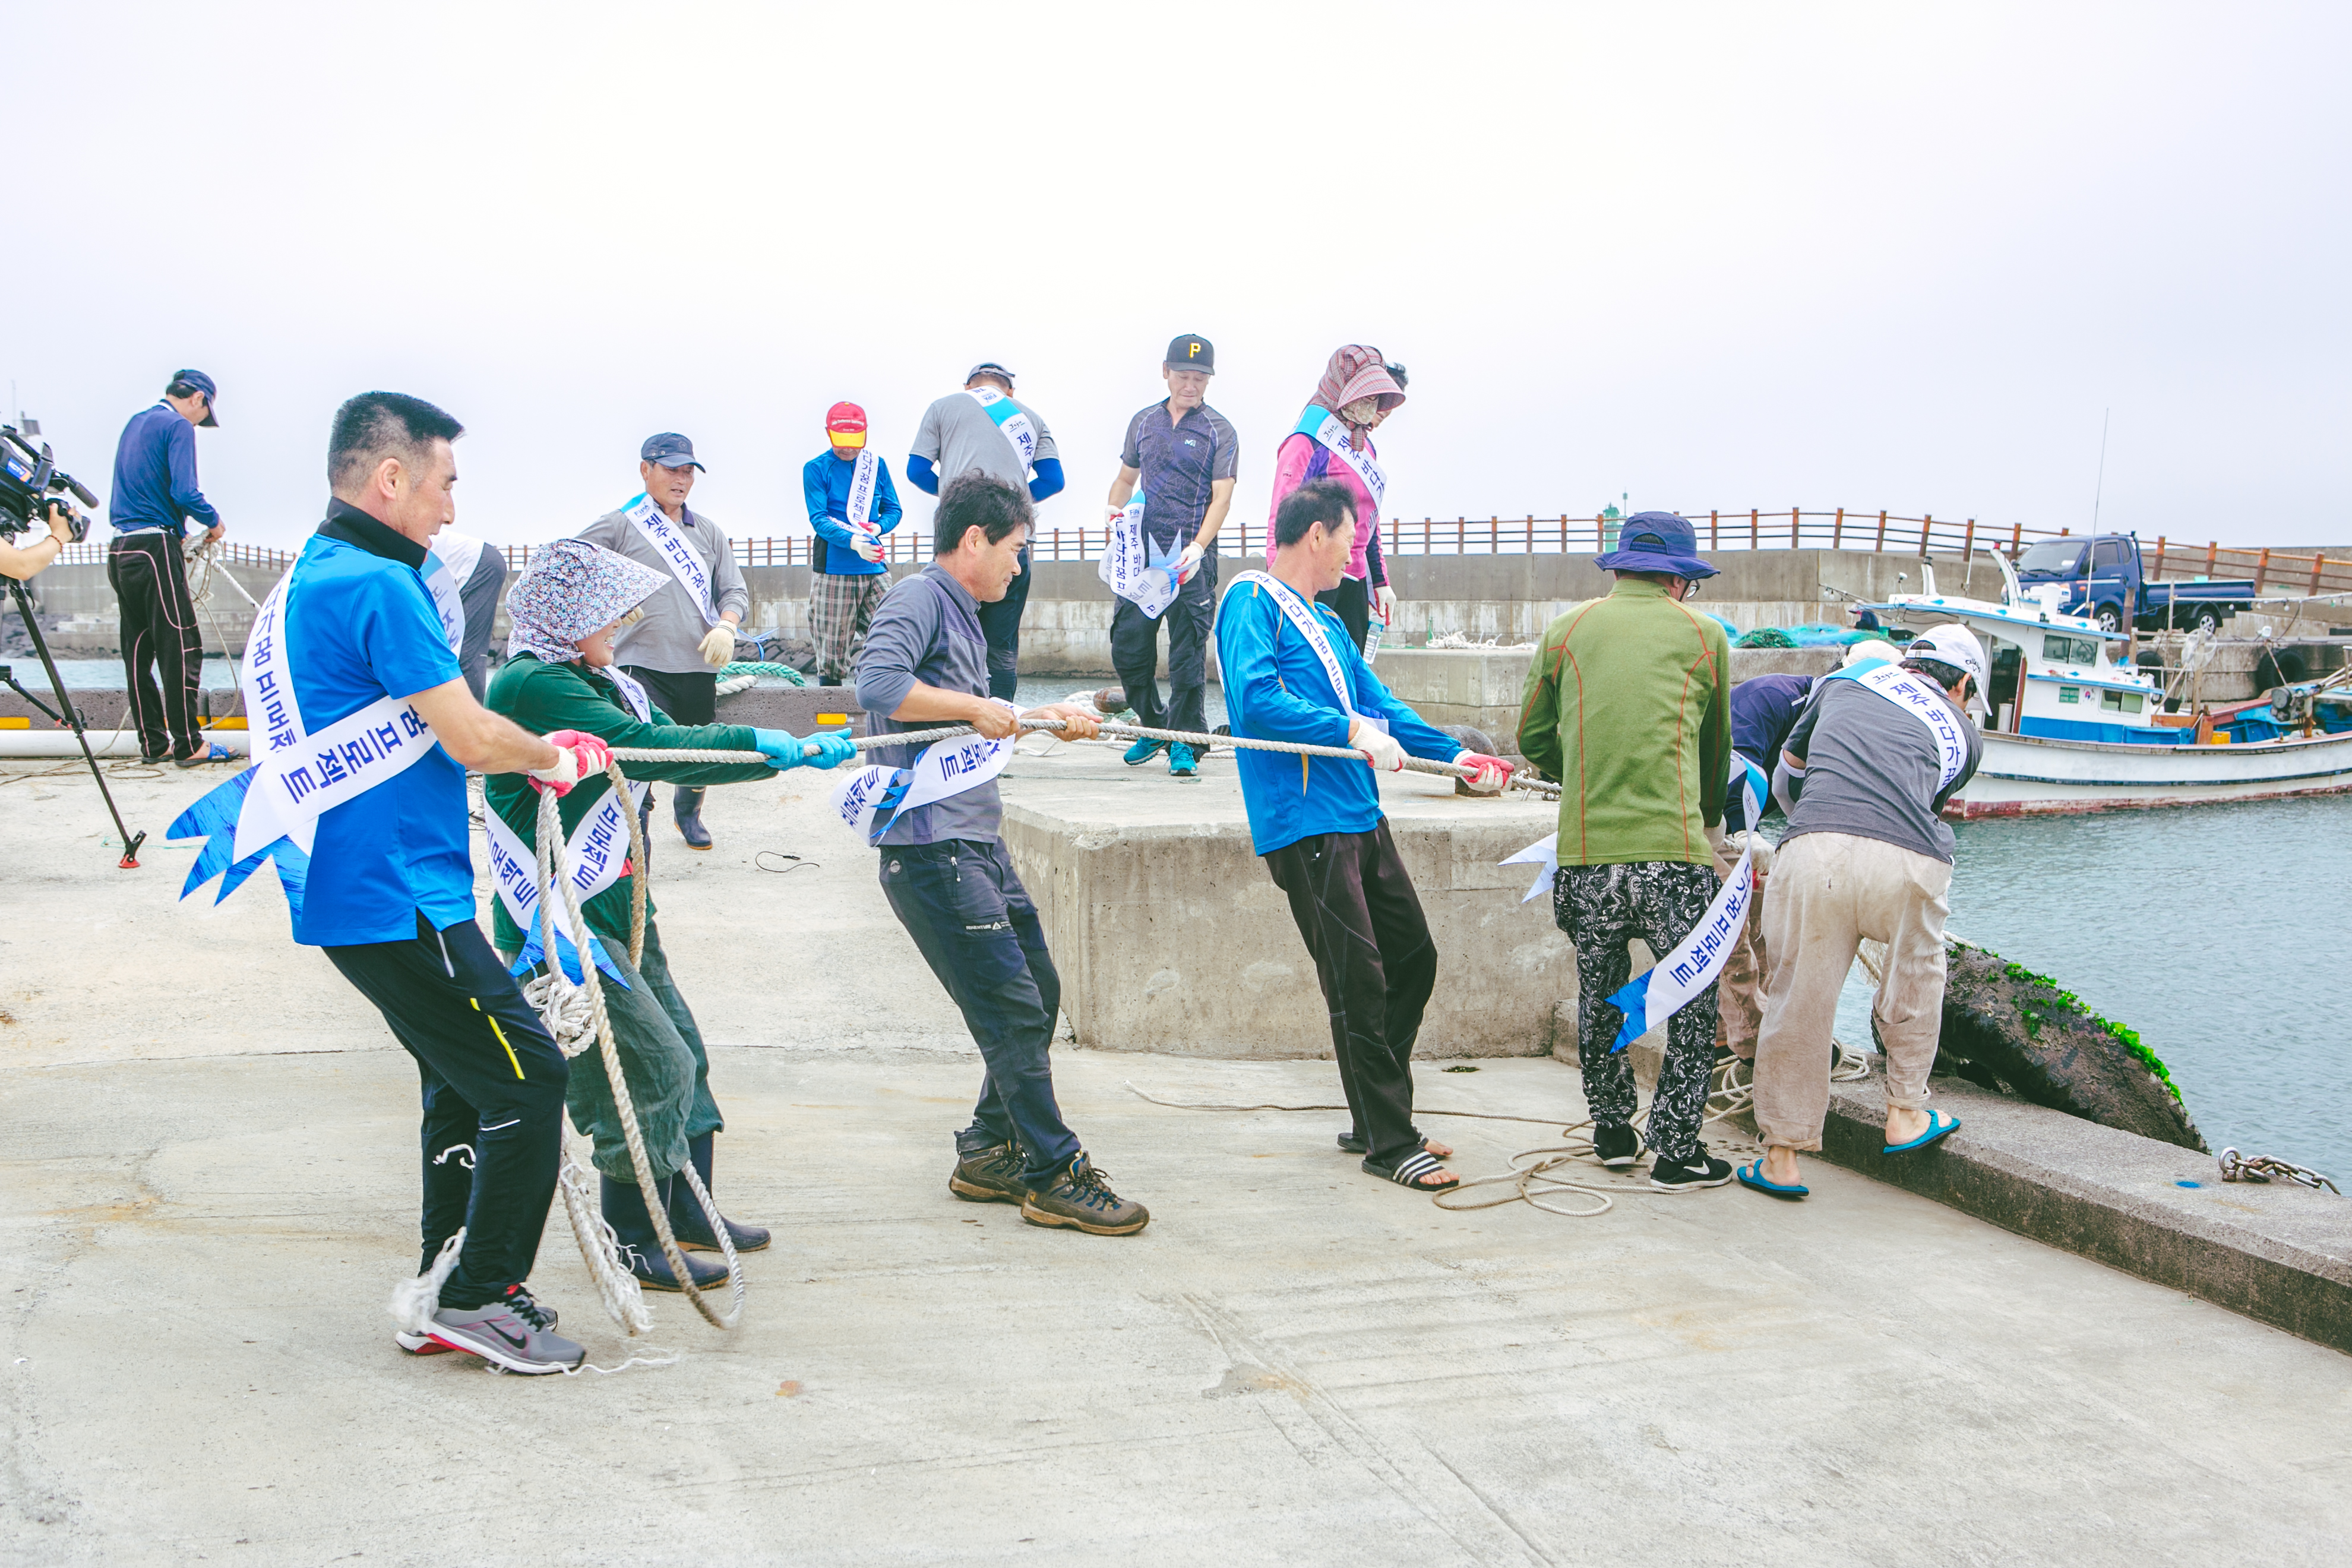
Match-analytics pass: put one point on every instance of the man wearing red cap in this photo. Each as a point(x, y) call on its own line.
point(851, 505)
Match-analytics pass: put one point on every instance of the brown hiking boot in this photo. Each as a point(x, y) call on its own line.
point(991, 1175)
point(1078, 1197)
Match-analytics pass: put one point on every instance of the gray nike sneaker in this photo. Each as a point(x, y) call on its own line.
point(519, 1301)
point(496, 1334)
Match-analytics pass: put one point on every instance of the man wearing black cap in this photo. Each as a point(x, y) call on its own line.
point(689, 629)
point(984, 429)
point(154, 496)
point(1184, 455)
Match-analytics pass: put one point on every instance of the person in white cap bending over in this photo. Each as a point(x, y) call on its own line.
point(1864, 776)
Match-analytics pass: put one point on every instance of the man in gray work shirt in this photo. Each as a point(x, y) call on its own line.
point(1877, 752)
point(984, 430)
point(948, 880)
point(689, 629)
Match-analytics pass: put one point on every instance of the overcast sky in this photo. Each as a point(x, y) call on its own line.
point(1713, 255)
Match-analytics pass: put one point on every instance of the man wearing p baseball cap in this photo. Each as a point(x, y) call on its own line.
point(985, 429)
point(1629, 707)
point(154, 497)
point(1866, 774)
point(689, 629)
point(1185, 456)
point(851, 505)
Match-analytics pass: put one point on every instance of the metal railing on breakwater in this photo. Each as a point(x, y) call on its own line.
point(2272, 570)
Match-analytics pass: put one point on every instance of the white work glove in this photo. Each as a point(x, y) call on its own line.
point(1384, 603)
point(867, 549)
point(577, 756)
point(1755, 845)
point(719, 647)
point(1189, 562)
point(1492, 773)
point(1380, 749)
point(1716, 842)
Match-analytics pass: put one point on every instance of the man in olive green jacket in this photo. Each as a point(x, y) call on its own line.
point(567, 609)
point(1629, 706)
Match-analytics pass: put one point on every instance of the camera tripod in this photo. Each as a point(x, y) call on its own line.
point(71, 716)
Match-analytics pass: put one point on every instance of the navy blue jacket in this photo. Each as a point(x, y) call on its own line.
point(1764, 709)
point(156, 475)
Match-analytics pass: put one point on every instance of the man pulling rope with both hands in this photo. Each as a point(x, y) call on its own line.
point(1293, 672)
point(576, 600)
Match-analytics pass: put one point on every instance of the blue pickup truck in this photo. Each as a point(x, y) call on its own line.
point(2104, 580)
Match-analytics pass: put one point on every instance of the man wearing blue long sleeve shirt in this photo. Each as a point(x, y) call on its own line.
point(851, 505)
point(984, 429)
point(1293, 673)
point(154, 497)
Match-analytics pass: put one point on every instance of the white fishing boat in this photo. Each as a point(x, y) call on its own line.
point(2070, 730)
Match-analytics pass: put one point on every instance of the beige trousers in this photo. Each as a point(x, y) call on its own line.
point(1830, 891)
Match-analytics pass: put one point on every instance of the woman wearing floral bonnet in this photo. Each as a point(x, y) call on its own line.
point(566, 609)
point(1333, 439)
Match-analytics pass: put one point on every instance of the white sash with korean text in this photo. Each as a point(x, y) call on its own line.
point(874, 796)
point(684, 561)
point(1131, 568)
point(1332, 431)
point(299, 777)
point(862, 485)
point(448, 566)
point(1917, 696)
point(1310, 627)
point(1011, 422)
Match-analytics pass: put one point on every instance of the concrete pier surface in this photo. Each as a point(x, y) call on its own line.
point(210, 1189)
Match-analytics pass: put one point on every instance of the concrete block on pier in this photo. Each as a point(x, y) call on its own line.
point(1169, 935)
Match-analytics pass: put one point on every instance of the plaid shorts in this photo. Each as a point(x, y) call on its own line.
point(840, 611)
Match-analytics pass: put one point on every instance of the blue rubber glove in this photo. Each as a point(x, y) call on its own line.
point(784, 750)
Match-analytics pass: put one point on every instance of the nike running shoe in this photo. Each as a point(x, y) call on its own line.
point(500, 1337)
point(1143, 752)
point(1677, 1176)
point(1616, 1147)
point(1181, 761)
point(519, 1301)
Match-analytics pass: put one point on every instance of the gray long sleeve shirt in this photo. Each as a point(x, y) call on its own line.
point(670, 638)
point(928, 630)
point(1871, 770)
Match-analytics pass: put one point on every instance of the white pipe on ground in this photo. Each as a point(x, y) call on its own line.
point(53, 743)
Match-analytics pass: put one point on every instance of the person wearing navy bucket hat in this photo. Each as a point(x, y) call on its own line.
point(1629, 706)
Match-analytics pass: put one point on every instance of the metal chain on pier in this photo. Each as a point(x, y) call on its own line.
point(2261, 1168)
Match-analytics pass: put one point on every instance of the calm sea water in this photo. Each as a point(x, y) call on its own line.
point(2217, 931)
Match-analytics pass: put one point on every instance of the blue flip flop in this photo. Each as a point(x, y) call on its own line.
point(1939, 1124)
point(1753, 1177)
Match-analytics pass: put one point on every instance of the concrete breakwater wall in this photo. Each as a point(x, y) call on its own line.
point(1504, 599)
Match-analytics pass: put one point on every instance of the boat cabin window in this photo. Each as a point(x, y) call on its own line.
point(2070, 650)
point(2061, 555)
point(2120, 701)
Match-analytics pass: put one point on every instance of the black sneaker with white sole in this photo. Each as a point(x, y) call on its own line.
point(518, 1300)
point(1676, 1176)
point(1616, 1147)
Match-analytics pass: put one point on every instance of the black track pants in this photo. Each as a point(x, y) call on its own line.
point(999, 623)
point(493, 1086)
point(149, 578)
point(1362, 922)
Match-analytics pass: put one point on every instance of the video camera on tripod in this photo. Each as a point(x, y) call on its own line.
point(30, 480)
point(30, 484)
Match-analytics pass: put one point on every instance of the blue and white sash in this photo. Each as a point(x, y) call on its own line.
point(594, 856)
point(869, 800)
point(1133, 569)
point(1332, 431)
point(1011, 422)
point(1310, 627)
point(271, 809)
point(684, 561)
point(862, 486)
point(1652, 997)
point(1917, 696)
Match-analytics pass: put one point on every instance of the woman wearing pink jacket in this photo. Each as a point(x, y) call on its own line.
point(1333, 439)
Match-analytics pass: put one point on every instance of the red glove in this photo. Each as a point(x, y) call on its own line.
point(577, 756)
point(1493, 774)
